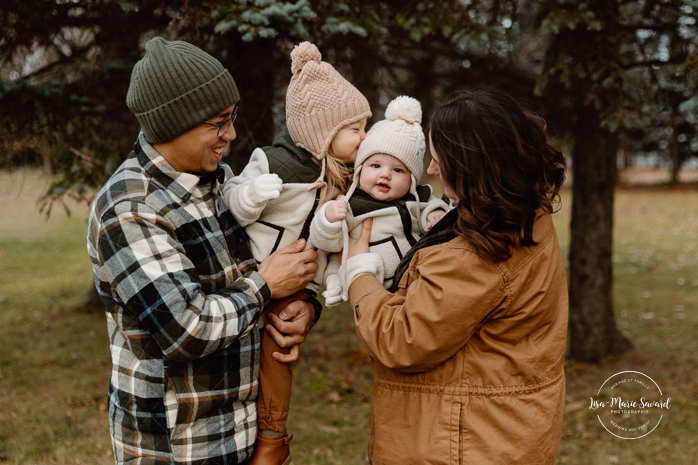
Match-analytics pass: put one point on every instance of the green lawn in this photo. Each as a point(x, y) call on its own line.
point(54, 357)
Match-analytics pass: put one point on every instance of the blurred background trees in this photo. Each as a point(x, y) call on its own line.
point(615, 79)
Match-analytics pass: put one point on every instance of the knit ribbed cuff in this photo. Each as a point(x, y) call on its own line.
point(364, 263)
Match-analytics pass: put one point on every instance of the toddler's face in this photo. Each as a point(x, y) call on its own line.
point(346, 143)
point(385, 177)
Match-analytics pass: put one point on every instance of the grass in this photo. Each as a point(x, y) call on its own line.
point(656, 298)
point(54, 357)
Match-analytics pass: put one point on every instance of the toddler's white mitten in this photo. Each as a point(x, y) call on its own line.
point(333, 294)
point(264, 187)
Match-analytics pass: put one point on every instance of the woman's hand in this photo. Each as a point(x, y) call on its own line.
point(360, 245)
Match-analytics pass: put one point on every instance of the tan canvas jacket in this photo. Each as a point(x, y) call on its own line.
point(468, 355)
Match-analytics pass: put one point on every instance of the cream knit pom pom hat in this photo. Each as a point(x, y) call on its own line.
point(319, 102)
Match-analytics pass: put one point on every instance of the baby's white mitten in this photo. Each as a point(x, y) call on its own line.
point(264, 187)
point(333, 294)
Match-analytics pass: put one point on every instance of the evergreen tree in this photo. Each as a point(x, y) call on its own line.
point(595, 69)
point(612, 60)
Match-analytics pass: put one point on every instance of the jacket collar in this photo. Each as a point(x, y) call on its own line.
point(284, 140)
point(155, 165)
point(361, 202)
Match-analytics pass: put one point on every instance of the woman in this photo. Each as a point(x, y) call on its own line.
point(469, 346)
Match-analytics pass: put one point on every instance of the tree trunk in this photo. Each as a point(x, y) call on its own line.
point(424, 81)
point(623, 153)
point(593, 331)
point(363, 76)
point(46, 155)
point(676, 159)
point(254, 66)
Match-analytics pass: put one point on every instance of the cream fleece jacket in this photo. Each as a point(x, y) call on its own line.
point(273, 224)
point(388, 238)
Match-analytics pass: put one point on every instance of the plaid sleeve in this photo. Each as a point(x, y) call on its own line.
point(149, 271)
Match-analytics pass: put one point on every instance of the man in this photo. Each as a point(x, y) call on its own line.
point(182, 291)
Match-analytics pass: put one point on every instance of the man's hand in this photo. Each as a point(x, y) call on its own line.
point(336, 210)
point(434, 217)
point(289, 328)
point(288, 270)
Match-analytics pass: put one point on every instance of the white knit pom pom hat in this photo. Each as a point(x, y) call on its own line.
point(400, 135)
point(319, 102)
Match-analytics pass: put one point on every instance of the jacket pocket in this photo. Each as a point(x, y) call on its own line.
point(454, 429)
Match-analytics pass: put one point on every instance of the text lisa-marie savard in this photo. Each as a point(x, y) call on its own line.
point(619, 403)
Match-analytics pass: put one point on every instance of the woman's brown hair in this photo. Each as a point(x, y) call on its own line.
point(497, 160)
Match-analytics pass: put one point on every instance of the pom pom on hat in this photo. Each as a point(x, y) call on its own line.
point(302, 54)
point(404, 108)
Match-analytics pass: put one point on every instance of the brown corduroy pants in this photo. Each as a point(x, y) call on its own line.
point(275, 378)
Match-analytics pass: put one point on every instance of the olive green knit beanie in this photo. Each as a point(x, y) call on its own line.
point(177, 86)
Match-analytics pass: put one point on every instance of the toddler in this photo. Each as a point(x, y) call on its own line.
point(276, 196)
point(388, 166)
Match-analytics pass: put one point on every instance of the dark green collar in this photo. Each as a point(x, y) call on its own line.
point(362, 203)
point(292, 163)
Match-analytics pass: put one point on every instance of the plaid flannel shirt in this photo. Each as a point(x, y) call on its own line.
point(183, 301)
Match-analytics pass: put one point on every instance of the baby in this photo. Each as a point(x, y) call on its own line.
point(388, 166)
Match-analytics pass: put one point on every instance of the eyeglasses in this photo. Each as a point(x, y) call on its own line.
point(225, 125)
